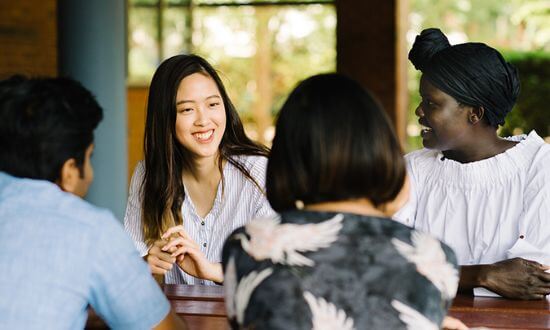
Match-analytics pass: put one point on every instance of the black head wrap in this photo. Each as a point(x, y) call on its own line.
point(473, 73)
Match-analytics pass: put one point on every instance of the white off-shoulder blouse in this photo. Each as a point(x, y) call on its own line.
point(482, 209)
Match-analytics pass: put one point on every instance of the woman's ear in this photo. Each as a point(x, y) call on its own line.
point(69, 176)
point(391, 207)
point(476, 114)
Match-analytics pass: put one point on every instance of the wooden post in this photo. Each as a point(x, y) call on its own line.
point(262, 68)
point(371, 48)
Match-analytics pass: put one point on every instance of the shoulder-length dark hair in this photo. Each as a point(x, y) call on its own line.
point(166, 158)
point(333, 142)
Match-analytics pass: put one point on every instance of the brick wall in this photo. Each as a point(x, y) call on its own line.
point(28, 37)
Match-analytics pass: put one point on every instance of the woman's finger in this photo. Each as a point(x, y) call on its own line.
point(535, 296)
point(160, 242)
point(157, 271)
point(543, 292)
point(164, 264)
point(159, 254)
point(185, 244)
point(194, 253)
point(180, 252)
point(192, 243)
point(544, 277)
point(180, 241)
point(450, 323)
point(173, 243)
point(175, 230)
point(189, 249)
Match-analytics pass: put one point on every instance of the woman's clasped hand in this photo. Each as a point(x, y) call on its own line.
point(177, 247)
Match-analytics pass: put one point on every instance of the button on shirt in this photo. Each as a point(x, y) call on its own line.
point(61, 254)
point(240, 203)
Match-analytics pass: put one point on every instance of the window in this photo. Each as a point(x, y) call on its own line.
point(261, 48)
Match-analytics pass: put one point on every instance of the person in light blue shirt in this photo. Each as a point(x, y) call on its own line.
point(59, 254)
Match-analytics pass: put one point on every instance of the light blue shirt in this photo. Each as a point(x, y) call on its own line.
point(59, 254)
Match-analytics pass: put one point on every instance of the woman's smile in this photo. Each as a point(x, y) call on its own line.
point(204, 136)
point(426, 130)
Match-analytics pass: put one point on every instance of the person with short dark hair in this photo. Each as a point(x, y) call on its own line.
point(201, 177)
point(333, 258)
point(58, 253)
point(487, 197)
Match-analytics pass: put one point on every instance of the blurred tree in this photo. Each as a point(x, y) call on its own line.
point(531, 110)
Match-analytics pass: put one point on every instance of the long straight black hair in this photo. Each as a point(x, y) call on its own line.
point(166, 159)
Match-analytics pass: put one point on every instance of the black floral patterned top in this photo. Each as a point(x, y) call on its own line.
point(319, 270)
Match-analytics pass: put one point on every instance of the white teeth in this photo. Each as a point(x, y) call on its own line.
point(425, 130)
point(204, 136)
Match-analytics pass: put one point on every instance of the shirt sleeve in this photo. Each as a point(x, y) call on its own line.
point(406, 215)
point(533, 223)
point(123, 292)
point(132, 217)
point(261, 206)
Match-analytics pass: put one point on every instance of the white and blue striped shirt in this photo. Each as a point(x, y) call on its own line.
point(241, 202)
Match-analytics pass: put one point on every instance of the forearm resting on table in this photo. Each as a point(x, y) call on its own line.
point(472, 276)
point(515, 278)
point(217, 273)
point(210, 271)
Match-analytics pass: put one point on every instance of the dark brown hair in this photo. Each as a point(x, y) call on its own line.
point(333, 142)
point(166, 159)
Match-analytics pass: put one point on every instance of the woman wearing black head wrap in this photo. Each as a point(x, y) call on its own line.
point(485, 196)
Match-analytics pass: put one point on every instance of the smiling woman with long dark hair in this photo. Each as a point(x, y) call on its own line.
point(201, 178)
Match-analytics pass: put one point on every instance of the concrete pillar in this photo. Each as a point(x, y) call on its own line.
point(92, 49)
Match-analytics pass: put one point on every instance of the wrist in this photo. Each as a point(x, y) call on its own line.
point(484, 275)
point(472, 276)
point(479, 275)
point(215, 273)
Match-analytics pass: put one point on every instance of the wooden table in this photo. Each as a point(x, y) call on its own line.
point(498, 313)
point(203, 308)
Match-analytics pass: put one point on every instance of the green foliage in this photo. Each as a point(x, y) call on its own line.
point(414, 141)
point(532, 110)
point(293, 56)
